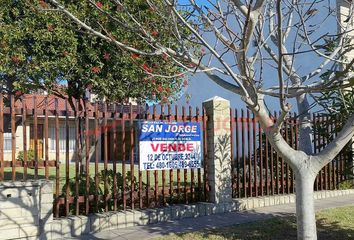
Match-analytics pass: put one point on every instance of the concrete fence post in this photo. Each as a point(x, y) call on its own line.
point(219, 149)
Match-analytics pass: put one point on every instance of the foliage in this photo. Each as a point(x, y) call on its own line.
point(42, 49)
point(347, 184)
point(109, 174)
point(31, 52)
point(255, 49)
point(102, 176)
point(338, 105)
point(82, 192)
point(30, 155)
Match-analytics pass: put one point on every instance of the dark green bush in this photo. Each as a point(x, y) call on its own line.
point(98, 206)
point(30, 155)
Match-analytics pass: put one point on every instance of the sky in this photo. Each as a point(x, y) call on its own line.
point(201, 88)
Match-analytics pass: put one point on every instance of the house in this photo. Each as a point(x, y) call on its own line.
point(66, 114)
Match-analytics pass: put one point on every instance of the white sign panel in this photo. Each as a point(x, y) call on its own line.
point(170, 145)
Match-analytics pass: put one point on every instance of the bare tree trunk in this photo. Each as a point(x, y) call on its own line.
point(305, 128)
point(305, 209)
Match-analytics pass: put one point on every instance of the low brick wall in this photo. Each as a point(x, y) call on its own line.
point(81, 225)
point(25, 209)
point(257, 202)
point(26, 212)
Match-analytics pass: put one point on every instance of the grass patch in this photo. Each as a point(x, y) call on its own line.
point(337, 223)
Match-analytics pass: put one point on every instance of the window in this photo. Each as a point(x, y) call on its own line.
point(62, 138)
point(7, 142)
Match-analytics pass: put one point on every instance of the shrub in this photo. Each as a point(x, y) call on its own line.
point(30, 155)
point(347, 184)
point(98, 206)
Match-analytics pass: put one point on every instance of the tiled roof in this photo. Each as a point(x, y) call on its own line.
point(37, 101)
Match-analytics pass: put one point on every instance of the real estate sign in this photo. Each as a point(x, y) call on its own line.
point(170, 145)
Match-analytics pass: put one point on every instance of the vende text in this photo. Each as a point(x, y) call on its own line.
point(172, 147)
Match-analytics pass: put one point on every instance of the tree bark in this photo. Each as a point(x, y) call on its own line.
point(305, 128)
point(305, 209)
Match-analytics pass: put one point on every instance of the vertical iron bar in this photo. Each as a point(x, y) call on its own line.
point(267, 164)
point(97, 153)
point(205, 160)
point(13, 137)
point(185, 178)
point(243, 153)
point(131, 147)
point(115, 156)
point(260, 132)
point(199, 170)
point(156, 175)
point(283, 182)
point(163, 171)
point(191, 169)
point(178, 170)
point(237, 129)
point(249, 144)
point(148, 117)
point(67, 170)
point(171, 170)
point(87, 155)
point(140, 172)
point(35, 135)
point(124, 173)
point(57, 158)
point(105, 152)
point(46, 126)
point(77, 155)
point(24, 136)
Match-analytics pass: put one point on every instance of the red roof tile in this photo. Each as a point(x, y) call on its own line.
point(30, 100)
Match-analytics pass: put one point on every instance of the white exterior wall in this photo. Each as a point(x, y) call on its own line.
point(19, 143)
point(343, 8)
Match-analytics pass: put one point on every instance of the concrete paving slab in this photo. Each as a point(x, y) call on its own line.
point(213, 221)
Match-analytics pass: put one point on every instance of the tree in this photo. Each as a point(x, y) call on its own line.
point(44, 50)
point(254, 49)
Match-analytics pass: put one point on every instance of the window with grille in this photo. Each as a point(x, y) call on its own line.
point(62, 138)
point(7, 142)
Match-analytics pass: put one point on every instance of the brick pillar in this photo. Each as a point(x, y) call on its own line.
point(219, 149)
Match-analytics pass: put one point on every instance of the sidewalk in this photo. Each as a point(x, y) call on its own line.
point(213, 221)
